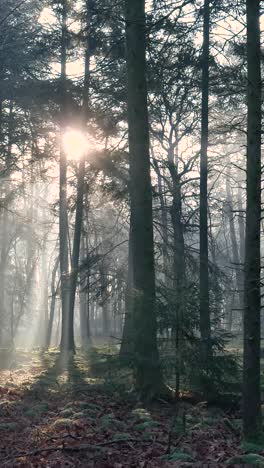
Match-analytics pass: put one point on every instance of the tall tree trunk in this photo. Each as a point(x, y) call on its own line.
point(67, 337)
point(44, 307)
point(76, 240)
point(127, 344)
point(241, 225)
point(104, 301)
point(81, 176)
point(4, 240)
point(205, 323)
point(52, 303)
point(251, 374)
point(164, 220)
point(235, 251)
point(84, 303)
point(148, 373)
point(178, 257)
point(3, 264)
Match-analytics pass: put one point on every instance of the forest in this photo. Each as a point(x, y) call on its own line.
point(131, 229)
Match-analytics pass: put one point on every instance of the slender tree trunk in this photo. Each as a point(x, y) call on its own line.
point(44, 311)
point(4, 241)
point(148, 372)
point(241, 225)
point(178, 275)
point(81, 177)
point(104, 301)
point(164, 221)
point(52, 303)
point(67, 338)
point(251, 374)
point(76, 240)
point(3, 264)
point(84, 304)
point(235, 251)
point(205, 325)
point(178, 257)
point(127, 344)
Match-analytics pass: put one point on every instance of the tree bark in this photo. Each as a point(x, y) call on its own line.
point(148, 373)
point(81, 179)
point(251, 370)
point(84, 303)
point(164, 220)
point(76, 240)
point(178, 265)
point(67, 337)
point(205, 325)
point(241, 225)
point(52, 303)
point(238, 267)
point(127, 344)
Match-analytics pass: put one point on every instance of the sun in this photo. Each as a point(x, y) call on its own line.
point(75, 144)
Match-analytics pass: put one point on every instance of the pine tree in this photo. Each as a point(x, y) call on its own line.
point(148, 372)
point(251, 374)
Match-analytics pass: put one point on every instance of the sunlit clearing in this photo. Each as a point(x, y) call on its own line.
point(75, 144)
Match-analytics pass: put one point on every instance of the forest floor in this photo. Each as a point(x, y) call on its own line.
point(81, 414)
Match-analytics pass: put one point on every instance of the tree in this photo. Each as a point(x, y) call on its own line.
point(148, 372)
point(205, 326)
point(67, 336)
point(251, 369)
point(81, 171)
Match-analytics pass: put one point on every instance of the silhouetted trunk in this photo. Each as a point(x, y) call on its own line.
point(127, 344)
point(148, 372)
point(84, 303)
point(4, 234)
point(52, 303)
point(104, 301)
point(235, 251)
point(205, 323)
point(81, 177)
point(67, 337)
point(251, 374)
point(164, 221)
point(3, 261)
point(178, 256)
point(76, 240)
point(44, 310)
point(241, 225)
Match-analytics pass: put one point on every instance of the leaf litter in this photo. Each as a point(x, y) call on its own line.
point(52, 415)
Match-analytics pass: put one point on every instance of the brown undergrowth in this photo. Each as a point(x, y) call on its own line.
point(81, 413)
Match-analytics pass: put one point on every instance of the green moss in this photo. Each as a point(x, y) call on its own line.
point(109, 421)
point(254, 447)
point(36, 410)
point(146, 425)
point(141, 414)
point(8, 426)
point(252, 459)
point(63, 423)
point(67, 413)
